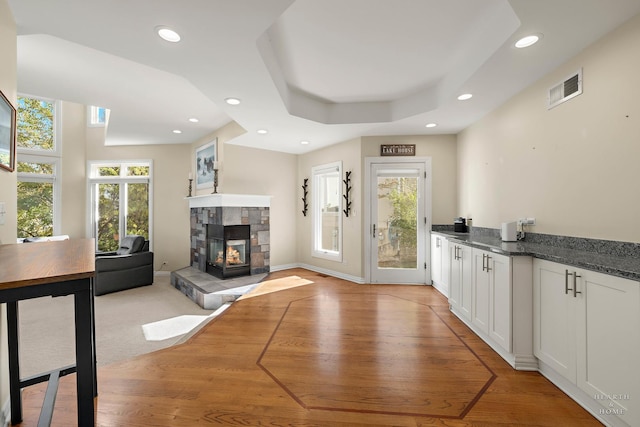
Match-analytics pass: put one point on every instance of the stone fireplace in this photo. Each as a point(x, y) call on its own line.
point(230, 234)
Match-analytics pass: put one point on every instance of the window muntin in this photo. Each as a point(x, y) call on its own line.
point(327, 211)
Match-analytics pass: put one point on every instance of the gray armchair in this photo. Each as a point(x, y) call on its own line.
point(129, 267)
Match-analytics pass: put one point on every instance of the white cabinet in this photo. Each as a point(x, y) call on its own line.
point(440, 264)
point(460, 280)
point(491, 293)
point(554, 326)
point(587, 332)
point(491, 296)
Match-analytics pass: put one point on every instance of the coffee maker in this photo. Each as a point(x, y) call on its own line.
point(460, 225)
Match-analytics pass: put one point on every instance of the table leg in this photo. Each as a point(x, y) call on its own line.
point(85, 357)
point(14, 363)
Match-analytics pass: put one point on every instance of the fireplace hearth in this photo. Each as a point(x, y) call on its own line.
point(228, 250)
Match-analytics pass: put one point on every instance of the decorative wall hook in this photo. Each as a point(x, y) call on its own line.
point(346, 195)
point(305, 185)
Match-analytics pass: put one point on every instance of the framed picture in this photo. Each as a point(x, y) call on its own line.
point(7, 134)
point(206, 162)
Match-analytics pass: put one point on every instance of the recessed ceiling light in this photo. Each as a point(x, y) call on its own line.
point(431, 125)
point(527, 41)
point(168, 34)
point(262, 131)
point(232, 101)
point(177, 131)
point(465, 96)
point(304, 142)
point(193, 120)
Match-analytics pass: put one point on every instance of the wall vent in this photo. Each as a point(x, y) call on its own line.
point(564, 91)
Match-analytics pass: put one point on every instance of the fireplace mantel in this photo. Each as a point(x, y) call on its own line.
point(229, 200)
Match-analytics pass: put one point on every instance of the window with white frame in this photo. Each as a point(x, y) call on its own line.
point(38, 167)
point(326, 211)
point(97, 116)
point(120, 201)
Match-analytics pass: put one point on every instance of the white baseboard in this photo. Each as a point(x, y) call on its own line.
point(161, 273)
point(350, 278)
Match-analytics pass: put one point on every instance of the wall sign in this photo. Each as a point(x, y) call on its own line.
point(398, 149)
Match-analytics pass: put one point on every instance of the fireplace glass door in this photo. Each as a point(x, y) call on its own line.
point(228, 251)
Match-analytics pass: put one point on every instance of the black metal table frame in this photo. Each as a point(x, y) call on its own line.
point(85, 367)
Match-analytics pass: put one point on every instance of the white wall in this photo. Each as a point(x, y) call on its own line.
point(442, 149)
point(252, 171)
point(171, 166)
point(574, 167)
point(8, 84)
point(350, 154)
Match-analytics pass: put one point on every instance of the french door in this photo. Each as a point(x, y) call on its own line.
point(398, 200)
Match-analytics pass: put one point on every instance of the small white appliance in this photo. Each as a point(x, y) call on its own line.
point(509, 231)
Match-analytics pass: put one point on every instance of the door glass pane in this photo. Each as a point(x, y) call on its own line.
point(138, 209)
point(108, 222)
point(397, 222)
point(35, 209)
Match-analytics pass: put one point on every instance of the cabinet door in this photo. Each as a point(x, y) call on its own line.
point(436, 259)
point(480, 294)
point(466, 278)
point(608, 330)
point(445, 260)
point(455, 276)
point(500, 300)
point(554, 331)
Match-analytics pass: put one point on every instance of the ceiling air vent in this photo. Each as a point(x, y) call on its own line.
point(569, 88)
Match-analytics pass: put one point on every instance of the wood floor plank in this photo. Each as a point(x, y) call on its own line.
point(331, 353)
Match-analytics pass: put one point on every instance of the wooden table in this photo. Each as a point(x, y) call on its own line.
point(32, 270)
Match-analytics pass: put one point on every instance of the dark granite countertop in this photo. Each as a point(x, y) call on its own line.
point(627, 267)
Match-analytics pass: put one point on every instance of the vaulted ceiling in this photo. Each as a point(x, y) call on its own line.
point(321, 71)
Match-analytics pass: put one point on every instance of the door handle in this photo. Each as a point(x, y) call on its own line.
point(374, 231)
point(566, 282)
point(575, 285)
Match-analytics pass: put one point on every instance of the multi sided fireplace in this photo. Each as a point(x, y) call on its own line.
point(228, 250)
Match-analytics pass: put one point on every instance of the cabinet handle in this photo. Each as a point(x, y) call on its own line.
point(484, 257)
point(457, 253)
point(566, 282)
point(374, 231)
point(575, 285)
point(488, 259)
point(437, 242)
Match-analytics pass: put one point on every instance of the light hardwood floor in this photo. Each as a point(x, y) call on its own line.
point(331, 353)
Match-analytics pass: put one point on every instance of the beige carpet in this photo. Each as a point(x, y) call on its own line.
point(47, 325)
point(275, 285)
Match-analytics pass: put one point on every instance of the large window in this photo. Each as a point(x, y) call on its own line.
point(327, 211)
point(120, 201)
point(38, 167)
